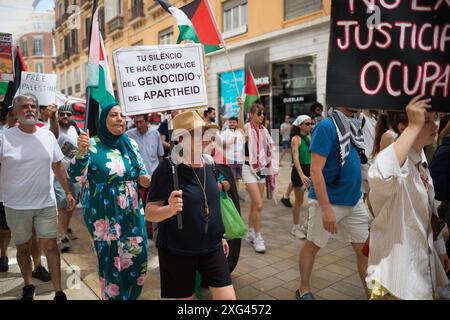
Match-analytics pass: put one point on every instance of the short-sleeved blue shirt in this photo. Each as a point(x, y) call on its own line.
point(325, 143)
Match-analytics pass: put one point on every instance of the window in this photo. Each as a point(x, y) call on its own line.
point(37, 45)
point(114, 8)
point(69, 82)
point(234, 18)
point(298, 8)
point(166, 36)
point(74, 37)
point(39, 67)
point(87, 27)
point(24, 47)
point(77, 79)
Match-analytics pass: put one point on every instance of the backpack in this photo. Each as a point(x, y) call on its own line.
point(440, 171)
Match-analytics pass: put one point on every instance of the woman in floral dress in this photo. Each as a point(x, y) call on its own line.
point(112, 166)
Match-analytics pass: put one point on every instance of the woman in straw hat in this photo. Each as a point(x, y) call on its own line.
point(199, 245)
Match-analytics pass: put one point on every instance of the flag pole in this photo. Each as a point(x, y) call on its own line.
point(176, 185)
point(231, 67)
point(88, 89)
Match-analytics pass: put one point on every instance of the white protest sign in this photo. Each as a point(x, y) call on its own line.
point(42, 85)
point(160, 78)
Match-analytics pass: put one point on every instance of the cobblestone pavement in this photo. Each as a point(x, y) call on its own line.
point(273, 275)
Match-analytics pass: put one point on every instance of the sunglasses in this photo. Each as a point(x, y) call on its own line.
point(260, 113)
point(68, 114)
point(307, 124)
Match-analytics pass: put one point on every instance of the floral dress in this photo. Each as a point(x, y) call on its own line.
point(114, 216)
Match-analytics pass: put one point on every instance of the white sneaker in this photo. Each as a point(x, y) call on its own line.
point(250, 237)
point(304, 227)
point(298, 233)
point(259, 245)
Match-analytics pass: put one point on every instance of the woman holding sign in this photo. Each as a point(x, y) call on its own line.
point(112, 165)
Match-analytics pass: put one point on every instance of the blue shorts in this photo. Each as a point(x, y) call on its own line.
point(286, 145)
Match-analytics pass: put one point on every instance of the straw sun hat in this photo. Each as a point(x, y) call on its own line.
point(189, 121)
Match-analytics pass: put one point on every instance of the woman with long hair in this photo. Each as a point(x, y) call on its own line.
point(389, 127)
point(301, 161)
point(259, 165)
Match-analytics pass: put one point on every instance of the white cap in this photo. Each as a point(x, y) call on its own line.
point(301, 119)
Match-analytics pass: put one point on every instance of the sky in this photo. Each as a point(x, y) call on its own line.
point(14, 13)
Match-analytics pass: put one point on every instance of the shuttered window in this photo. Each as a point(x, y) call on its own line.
point(298, 8)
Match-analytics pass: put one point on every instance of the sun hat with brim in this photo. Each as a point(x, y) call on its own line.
point(189, 121)
point(301, 119)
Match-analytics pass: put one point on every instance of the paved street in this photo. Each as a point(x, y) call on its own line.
point(273, 275)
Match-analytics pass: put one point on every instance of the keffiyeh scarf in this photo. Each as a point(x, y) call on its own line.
point(348, 131)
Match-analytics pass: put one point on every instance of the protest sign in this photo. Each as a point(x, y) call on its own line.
point(6, 64)
point(382, 53)
point(160, 78)
point(42, 85)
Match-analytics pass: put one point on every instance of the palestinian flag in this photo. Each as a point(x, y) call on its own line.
point(100, 89)
point(13, 86)
point(196, 22)
point(250, 94)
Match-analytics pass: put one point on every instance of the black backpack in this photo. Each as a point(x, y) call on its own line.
point(440, 171)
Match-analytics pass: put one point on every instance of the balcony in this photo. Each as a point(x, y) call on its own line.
point(65, 56)
point(115, 24)
point(136, 11)
point(37, 53)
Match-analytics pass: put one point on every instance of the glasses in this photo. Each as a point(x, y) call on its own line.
point(65, 114)
point(307, 124)
point(260, 113)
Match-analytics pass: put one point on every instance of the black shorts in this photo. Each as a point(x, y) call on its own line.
point(295, 177)
point(3, 223)
point(178, 272)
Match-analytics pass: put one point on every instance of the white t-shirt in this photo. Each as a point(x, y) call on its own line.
point(26, 176)
point(234, 149)
point(67, 141)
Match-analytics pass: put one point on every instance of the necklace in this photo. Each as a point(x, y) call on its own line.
point(205, 199)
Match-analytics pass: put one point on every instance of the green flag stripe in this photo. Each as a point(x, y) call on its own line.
point(187, 33)
point(99, 93)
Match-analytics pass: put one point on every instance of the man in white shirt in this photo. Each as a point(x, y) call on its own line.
point(149, 142)
point(233, 141)
point(28, 155)
point(67, 141)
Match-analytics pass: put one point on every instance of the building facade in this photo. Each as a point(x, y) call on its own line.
point(37, 44)
point(285, 42)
